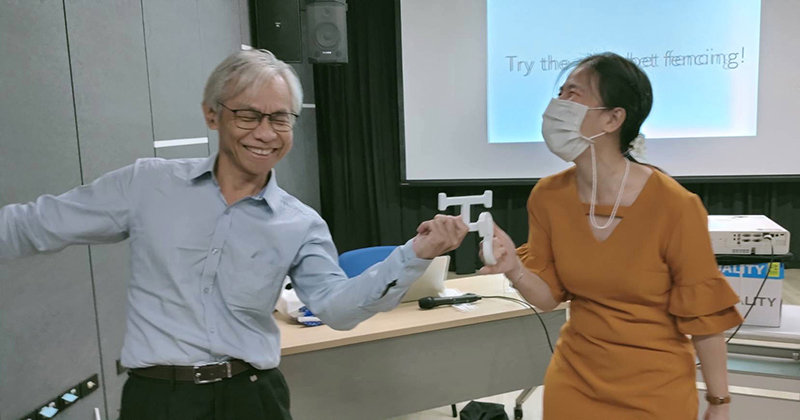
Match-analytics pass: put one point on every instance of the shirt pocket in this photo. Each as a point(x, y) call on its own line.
point(255, 287)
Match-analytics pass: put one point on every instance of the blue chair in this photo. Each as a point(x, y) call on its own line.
point(357, 261)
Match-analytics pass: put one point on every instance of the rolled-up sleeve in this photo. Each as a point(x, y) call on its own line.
point(91, 214)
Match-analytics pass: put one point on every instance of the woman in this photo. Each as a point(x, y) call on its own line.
point(630, 248)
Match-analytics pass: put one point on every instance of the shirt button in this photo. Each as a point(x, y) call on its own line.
point(207, 290)
point(212, 331)
point(215, 251)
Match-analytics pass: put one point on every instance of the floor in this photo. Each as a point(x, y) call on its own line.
point(532, 408)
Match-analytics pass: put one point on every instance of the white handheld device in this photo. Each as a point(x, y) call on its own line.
point(485, 224)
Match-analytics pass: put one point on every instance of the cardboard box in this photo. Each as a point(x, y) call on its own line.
point(745, 280)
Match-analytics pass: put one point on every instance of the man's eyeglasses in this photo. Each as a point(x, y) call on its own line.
point(247, 119)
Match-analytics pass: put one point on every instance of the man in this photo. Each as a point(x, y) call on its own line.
point(211, 241)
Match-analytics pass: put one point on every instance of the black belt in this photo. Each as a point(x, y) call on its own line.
point(198, 374)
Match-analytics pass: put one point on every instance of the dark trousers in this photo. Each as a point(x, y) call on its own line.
point(251, 395)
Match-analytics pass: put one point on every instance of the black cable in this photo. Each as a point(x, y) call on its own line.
point(523, 303)
point(755, 299)
point(758, 293)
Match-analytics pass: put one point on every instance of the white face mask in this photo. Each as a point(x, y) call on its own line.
point(561, 128)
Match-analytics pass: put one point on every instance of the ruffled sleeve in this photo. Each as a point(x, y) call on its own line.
point(537, 254)
point(701, 300)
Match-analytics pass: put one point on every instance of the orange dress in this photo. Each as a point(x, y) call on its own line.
point(624, 353)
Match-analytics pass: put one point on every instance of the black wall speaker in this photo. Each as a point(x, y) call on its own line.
point(277, 28)
point(327, 31)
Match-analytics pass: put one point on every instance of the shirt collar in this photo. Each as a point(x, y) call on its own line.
point(203, 167)
point(269, 194)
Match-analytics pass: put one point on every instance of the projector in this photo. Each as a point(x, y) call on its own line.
point(747, 235)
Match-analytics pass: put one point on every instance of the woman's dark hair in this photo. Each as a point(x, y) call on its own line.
point(622, 84)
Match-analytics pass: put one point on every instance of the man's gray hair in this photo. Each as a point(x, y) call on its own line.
point(246, 69)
